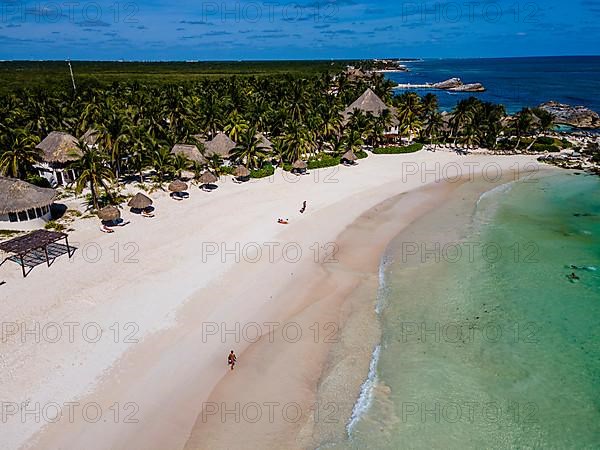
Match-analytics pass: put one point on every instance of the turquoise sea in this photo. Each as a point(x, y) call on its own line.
point(493, 347)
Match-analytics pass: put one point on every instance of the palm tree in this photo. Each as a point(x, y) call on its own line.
point(433, 128)
point(236, 126)
point(162, 162)
point(21, 154)
point(522, 125)
point(179, 163)
point(546, 120)
point(352, 140)
point(250, 150)
point(215, 162)
point(94, 172)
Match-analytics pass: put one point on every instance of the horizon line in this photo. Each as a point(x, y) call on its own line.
point(406, 58)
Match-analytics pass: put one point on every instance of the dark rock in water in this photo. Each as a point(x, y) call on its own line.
point(576, 116)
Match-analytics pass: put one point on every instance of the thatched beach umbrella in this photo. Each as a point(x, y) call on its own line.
point(140, 201)
point(300, 165)
point(178, 186)
point(109, 213)
point(349, 156)
point(241, 172)
point(59, 147)
point(207, 178)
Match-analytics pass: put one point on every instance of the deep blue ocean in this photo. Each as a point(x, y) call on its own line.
point(513, 82)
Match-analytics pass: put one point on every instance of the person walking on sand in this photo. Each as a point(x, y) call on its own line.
point(303, 207)
point(231, 359)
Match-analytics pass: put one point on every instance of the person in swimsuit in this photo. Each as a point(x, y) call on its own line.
point(231, 359)
point(303, 207)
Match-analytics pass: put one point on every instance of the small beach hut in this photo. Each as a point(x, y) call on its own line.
point(58, 150)
point(24, 206)
point(109, 214)
point(349, 158)
point(299, 166)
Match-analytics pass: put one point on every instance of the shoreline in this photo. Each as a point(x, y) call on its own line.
point(179, 293)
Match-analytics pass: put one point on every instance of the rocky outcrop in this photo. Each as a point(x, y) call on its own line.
point(576, 116)
point(452, 83)
point(472, 87)
point(456, 85)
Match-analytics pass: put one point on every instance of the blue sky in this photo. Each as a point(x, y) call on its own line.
point(301, 29)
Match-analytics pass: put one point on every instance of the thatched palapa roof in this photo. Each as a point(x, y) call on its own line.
point(17, 195)
point(265, 142)
point(241, 172)
point(109, 213)
point(139, 201)
point(349, 156)
point(220, 145)
point(208, 178)
point(178, 186)
point(190, 151)
point(369, 102)
point(59, 147)
point(300, 165)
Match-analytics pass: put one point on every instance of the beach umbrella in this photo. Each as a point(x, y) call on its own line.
point(300, 165)
point(178, 186)
point(207, 178)
point(140, 201)
point(241, 172)
point(109, 213)
point(349, 156)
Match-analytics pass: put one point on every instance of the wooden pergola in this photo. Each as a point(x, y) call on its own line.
point(25, 248)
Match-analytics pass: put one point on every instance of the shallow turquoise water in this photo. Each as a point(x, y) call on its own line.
point(496, 348)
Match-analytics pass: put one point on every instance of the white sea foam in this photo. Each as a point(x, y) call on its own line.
point(365, 399)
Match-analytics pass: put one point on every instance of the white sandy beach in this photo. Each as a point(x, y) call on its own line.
point(161, 289)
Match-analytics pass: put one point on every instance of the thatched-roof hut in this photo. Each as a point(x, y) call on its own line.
point(369, 102)
point(140, 201)
point(59, 147)
point(23, 202)
point(349, 157)
point(109, 213)
point(220, 145)
point(91, 137)
point(178, 186)
point(58, 150)
point(190, 152)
